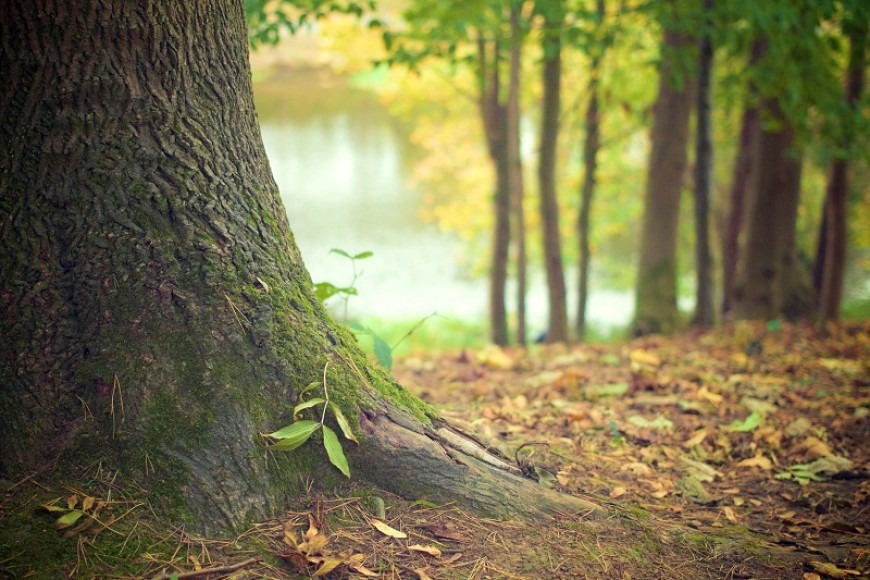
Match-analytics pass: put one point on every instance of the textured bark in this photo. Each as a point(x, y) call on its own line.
point(591, 145)
point(517, 189)
point(832, 255)
point(156, 314)
point(704, 177)
point(743, 166)
point(656, 294)
point(768, 275)
point(557, 329)
point(494, 114)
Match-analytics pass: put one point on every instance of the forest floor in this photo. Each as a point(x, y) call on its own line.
point(739, 453)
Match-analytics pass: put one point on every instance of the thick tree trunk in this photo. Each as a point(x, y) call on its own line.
point(557, 330)
point(768, 276)
point(156, 314)
point(832, 255)
point(743, 166)
point(517, 189)
point(591, 145)
point(656, 294)
point(704, 176)
point(494, 114)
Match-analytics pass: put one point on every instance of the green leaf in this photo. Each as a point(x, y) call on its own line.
point(309, 387)
point(383, 352)
point(750, 423)
point(334, 451)
point(307, 405)
point(343, 423)
point(294, 435)
point(325, 291)
point(363, 255)
point(341, 252)
point(68, 519)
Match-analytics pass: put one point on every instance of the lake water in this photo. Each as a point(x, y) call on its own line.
point(343, 166)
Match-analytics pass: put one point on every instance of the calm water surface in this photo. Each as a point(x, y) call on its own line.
point(343, 166)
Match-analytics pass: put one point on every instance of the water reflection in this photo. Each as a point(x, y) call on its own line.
point(343, 167)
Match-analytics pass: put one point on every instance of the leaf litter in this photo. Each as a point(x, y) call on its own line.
point(736, 453)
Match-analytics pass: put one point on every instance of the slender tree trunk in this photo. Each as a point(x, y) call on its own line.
point(835, 230)
point(743, 167)
point(494, 114)
point(157, 316)
point(591, 145)
point(768, 276)
point(517, 188)
point(557, 330)
point(656, 294)
point(704, 176)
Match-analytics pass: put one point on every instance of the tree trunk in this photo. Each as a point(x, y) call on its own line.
point(656, 294)
point(768, 275)
point(157, 315)
point(704, 176)
point(517, 189)
point(557, 329)
point(743, 167)
point(836, 231)
point(591, 145)
point(494, 114)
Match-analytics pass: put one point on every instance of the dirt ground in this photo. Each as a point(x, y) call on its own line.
point(740, 453)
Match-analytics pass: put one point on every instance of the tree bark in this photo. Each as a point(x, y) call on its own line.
point(517, 189)
point(656, 293)
point(156, 313)
point(591, 145)
point(704, 176)
point(768, 276)
point(832, 256)
point(557, 329)
point(494, 114)
point(743, 167)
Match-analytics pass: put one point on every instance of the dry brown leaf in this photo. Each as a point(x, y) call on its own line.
point(759, 461)
point(421, 574)
point(832, 570)
point(815, 448)
point(637, 468)
point(696, 439)
point(431, 550)
point(617, 492)
point(88, 503)
point(705, 395)
point(387, 530)
point(729, 514)
point(72, 501)
point(327, 565)
point(644, 358)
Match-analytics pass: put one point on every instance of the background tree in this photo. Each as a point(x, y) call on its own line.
point(833, 237)
point(704, 171)
point(656, 293)
point(552, 15)
point(591, 146)
point(157, 314)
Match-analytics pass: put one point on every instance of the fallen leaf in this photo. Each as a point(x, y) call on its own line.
point(750, 423)
point(327, 565)
point(759, 461)
point(704, 394)
point(832, 570)
point(617, 492)
point(642, 357)
point(421, 574)
point(431, 550)
point(387, 530)
point(729, 514)
point(696, 439)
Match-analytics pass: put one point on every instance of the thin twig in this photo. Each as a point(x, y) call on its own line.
point(215, 570)
point(325, 394)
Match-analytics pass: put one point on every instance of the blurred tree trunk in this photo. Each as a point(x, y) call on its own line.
point(157, 316)
point(516, 165)
point(591, 145)
point(769, 277)
point(494, 113)
point(656, 293)
point(834, 234)
point(704, 175)
point(750, 128)
point(551, 10)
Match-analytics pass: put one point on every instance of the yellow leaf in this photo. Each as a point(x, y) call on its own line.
point(706, 395)
point(88, 503)
point(421, 574)
point(832, 570)
point(617, 492)
point(696, 439)
point(815, 447)
point(327, 566)
point(387, 530)
point(431, 550)
point(729, 514)
point(644, 358)
point(759, 461)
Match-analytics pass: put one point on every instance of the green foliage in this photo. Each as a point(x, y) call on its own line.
point(267, 20)
point(300, 431)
